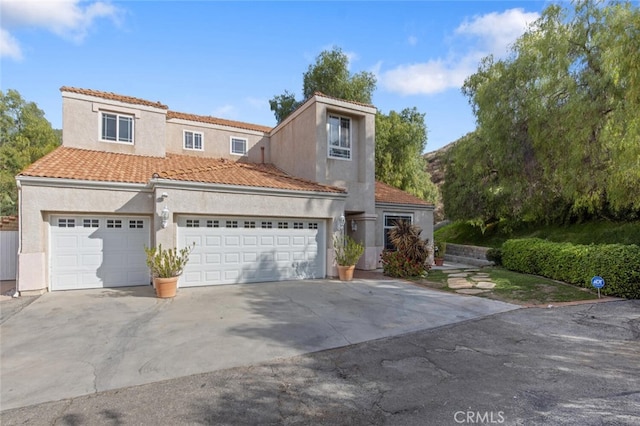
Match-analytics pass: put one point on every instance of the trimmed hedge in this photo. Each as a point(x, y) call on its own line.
point(618, 264)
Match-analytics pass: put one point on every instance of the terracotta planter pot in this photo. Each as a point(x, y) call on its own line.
point(346, 272)
point(439, 261)
point(166, 287)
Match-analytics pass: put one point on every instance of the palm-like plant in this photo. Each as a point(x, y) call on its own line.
point(406, 239)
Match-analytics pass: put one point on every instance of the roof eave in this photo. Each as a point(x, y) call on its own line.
point(244, 189)
point(383, 204)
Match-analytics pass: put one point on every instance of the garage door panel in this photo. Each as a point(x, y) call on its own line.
point(97, 252)
point(252, 250)
point(232, 241)
point(213, 276)
point(250, 241)
point(249, 257)
point(283, 256)
point(283, 240)
point(299, 240)
point(267, 240)
point(213, 241)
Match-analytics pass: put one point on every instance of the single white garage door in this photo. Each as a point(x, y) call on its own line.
point(96, 251)
point(243, 250)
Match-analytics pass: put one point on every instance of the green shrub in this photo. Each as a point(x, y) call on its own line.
point(495, 255)
point(618, 264)
point(397, 264)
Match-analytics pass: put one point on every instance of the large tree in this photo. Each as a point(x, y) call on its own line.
point(329, 75)
point(25, 136)
point(400, 137)
point(559, 117)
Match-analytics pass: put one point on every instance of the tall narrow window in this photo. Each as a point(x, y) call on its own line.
point(117, 128)
point(192, 140)
point(339, 131)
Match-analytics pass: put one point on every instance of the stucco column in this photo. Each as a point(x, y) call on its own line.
point(361, 227)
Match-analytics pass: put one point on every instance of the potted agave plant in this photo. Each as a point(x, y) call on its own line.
point(348, 252)
point(166, 266)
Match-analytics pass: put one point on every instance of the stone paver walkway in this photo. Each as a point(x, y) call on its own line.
point(469, 281)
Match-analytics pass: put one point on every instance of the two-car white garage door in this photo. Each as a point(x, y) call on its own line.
point(97, 251)
point(242, 250)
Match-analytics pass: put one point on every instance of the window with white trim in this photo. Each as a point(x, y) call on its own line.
point(238, 146)
point(116, 127)
point(389, 222)
point(339, 134)
point(192, 140)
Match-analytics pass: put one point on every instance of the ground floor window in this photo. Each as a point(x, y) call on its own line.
point(390, 220)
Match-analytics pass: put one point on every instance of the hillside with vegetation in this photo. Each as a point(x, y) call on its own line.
point(558, 137)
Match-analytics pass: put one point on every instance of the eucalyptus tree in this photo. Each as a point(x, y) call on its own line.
point(560, 114)
point(401, 138)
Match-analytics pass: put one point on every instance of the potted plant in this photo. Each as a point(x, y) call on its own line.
point(166, 266)
point(439, 249)
point(347, 252)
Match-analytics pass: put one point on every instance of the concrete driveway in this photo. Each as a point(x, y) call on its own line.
point(67, 344)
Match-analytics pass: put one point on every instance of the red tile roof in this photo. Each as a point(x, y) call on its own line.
point(82, 164)
point(343, 100)
point(215, 120)
point(389, 194)
point(113, 97)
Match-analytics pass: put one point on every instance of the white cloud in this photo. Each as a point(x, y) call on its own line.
point(71, 19)
point(492, 33)
point(497, 31)
point(9, 46)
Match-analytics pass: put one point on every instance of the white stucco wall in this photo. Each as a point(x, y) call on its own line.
point(236, 201)
point(422, 217)
point(293, 143)
point(40, 199)
point(45, 197)
point(81, 125)
point(217, 141)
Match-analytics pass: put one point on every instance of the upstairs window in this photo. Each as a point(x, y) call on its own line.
point(192, 140)
point(339, 131)
point(238, 146)
point(116, 128)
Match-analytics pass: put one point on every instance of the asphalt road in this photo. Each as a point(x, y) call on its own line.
point(571, 365)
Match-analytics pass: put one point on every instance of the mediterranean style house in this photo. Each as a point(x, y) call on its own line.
point(261, 203)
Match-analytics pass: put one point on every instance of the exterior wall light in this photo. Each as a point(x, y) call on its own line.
point(354, 226)
point(164, 215)
point(340, 223)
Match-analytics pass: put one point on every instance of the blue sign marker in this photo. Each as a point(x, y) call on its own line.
point(597, 282)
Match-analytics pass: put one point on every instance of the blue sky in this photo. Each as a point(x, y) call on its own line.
point(227, 59)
